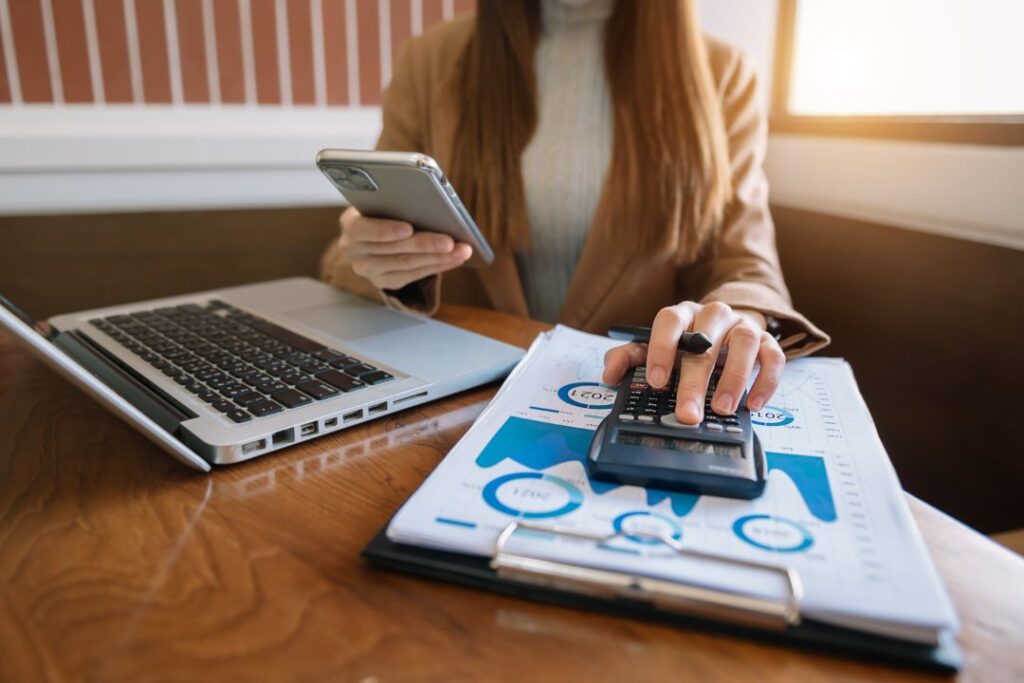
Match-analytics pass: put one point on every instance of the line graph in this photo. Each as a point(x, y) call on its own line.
point(541, 446)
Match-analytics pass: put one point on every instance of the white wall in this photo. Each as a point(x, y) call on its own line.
point(104, 159)
point(748, 24)
point(82, 159)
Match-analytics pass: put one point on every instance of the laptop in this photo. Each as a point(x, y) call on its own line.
point(224, 376)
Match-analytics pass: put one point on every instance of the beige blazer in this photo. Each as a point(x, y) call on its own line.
point(612, 283)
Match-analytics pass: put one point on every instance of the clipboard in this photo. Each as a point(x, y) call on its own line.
point(663, 601)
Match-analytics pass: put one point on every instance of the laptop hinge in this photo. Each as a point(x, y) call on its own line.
point(129, 384)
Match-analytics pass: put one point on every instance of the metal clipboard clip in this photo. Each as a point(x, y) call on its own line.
point(662, 594)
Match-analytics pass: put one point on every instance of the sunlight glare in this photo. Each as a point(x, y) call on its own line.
point(908, 57)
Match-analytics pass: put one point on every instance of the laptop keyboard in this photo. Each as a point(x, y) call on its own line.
point(242, 365)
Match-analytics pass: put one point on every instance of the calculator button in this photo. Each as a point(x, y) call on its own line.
point(645, 418)
point(733, 429)
point(671, 420)
point(626, 417)
point(713, 426)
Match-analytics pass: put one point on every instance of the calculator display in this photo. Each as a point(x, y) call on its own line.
point(669, 443)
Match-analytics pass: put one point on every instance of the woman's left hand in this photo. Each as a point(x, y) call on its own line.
point(741, 333)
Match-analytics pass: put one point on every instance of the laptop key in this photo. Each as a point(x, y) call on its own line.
point(317, 390)
point(344, 362)
point(291, 398)
point(313, 366)
point(223, 405)
point(271, 387)
point(293, 377)
point(283, 369)
point(208, 373)
point(207, 395)
point(377, 377)
point(340, 380)
point(360, 370)
point(264, 407)
point(239, 369)
point(327, 355)
point(238, 415)
point(247, 397)
point(233, 389)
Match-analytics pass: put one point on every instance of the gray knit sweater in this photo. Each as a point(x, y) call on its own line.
point(565, 163)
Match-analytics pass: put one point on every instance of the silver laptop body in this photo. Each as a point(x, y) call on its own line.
point(227, 375)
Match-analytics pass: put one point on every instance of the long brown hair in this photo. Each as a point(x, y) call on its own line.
point(669, 161)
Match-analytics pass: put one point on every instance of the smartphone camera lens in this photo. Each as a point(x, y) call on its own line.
point(351, 178)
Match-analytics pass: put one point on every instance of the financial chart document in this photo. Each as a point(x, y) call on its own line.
point(832, 509)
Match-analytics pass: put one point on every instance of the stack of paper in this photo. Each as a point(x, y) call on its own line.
point(833, 509)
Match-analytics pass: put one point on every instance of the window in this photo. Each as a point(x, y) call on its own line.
point(950, 70)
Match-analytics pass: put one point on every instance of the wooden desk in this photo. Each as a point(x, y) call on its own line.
point(116, 563)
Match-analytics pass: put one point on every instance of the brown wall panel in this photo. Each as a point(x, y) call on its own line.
point(300, 48)
point(195, 86)
point(156, 74)
point(401, 27)
point(227, 25)
point(52, 264)
point(113, 46)
point(335, 52)
point(30, 50)
point(433, 12)
point(264, 38)
point(368, 30)
point(69, 27)
point(932, 327)
point(5, 86)
point(463, 6)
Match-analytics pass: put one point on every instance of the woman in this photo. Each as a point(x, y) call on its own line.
point(611, 155)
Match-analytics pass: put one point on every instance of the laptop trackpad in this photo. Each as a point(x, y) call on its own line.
point(352, 321)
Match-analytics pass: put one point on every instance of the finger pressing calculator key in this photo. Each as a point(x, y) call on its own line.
point(642, 442)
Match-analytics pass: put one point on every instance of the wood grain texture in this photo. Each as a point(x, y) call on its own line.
point(118, 564)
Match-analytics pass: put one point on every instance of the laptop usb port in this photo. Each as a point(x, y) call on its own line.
point(254, 446)
point(352, 417)
point(308, 429)
point(376, 409)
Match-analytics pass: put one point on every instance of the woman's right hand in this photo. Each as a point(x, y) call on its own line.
point(390, 254)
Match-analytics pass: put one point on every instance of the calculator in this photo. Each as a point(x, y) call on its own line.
point(642, 443)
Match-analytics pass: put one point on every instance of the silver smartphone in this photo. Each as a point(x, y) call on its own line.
point(404, 186)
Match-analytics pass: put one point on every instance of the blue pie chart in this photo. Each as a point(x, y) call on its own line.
point(536, 490)
point(773, 533)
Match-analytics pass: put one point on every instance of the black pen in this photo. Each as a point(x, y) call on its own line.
point(691, 342)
